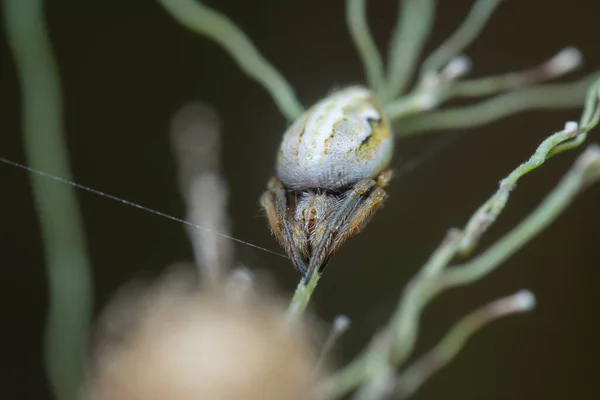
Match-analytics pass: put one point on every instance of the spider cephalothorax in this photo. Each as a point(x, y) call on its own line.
point(331, 171)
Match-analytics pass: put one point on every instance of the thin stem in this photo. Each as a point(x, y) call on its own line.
point(412, 29)
point(356, 19)
point(464, 35)
point(413, 105)
point(446, 85)
point(448, 348)
point(417, 292)
point(421, 291)
point(353, 374)
point(302, 297)
point(202, 19)
point(67, 264)
point(346, 379)
point(487, 213)
point(424, 286)
point(341, 323)
point(196, 140)
point(548, 96)
point(435, 276)
point(563, 62)
point(585, 171)
point(589, 117)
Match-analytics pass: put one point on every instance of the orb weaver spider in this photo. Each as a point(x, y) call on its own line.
point(330, 176)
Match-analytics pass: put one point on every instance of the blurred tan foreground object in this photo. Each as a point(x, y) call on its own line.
point(184, 344)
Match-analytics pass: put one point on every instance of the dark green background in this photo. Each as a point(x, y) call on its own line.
point(127, 67)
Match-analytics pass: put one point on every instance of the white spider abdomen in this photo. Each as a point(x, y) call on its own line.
point(339, 141)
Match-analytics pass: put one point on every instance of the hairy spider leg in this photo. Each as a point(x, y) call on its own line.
point(355, 211)
point(275, 202)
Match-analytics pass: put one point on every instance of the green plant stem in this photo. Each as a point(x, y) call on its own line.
point(436, 276)
point(408, 309)
point(464, 35)
point(424, 286)
point(356, 19)
point(412, 29)
point(201, 19)
point(340, 325)
point(302, 297)
point(403, 327)
point(487, 214)
point(430, 93)
point(588, 118)
point(585, 172)
point(448, 348)
point(563, 62)
point(426, 98)
point(420, 293)
point(542, 97)
point(67, 264)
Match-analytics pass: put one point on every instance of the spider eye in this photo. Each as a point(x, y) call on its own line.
point(310, 215)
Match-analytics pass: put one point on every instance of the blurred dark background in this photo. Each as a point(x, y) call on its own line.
point(127, 66)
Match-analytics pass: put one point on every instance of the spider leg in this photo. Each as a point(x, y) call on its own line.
point(275, 203)
point(355, 210)
point(361, 215)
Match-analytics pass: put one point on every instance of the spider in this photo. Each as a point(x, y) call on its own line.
point(332, 168)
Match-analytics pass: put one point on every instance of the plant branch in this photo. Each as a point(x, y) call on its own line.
point(588, 118)
point(469, 30)
point(488, 212)
point(196, 142)
point(448, 348)
point(423, 287)
point(560, 64)
point(427, 285)
point(412, 29)
point(341, 323)
point(67, 264)
point(205, 21)
point(302, 297)
point(547, 96)
point(436, 89)
point(436, 277)
point(585, 172)
point(356, 19)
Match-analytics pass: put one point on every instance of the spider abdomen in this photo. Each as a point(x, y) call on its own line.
point(339, 141)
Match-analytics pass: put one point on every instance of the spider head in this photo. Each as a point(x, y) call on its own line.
point(312, 224)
